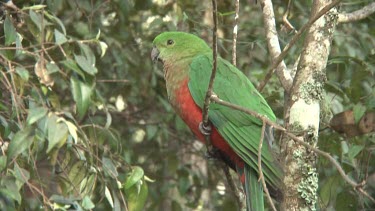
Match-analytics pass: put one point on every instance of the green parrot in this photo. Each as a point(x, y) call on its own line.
point(187, 61)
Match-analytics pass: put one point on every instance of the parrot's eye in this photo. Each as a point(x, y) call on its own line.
point(170, 42)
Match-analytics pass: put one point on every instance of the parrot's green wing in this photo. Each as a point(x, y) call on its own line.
point(240, 130)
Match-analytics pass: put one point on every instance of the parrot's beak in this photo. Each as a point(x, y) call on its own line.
point(155, 55)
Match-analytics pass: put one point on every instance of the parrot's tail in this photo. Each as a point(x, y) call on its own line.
point(253, 189)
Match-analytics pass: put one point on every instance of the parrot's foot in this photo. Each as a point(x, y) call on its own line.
point(205, 130)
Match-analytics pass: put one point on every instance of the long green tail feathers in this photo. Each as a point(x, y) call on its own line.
point(253, 189)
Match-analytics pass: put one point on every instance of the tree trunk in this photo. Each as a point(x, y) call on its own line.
point(301, 177)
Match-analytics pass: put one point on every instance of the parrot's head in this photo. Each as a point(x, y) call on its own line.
point(175, 46)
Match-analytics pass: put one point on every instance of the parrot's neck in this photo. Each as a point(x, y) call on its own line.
point(175, 74)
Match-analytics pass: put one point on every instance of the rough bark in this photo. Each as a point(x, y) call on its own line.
point(301, 178)
point(357, 15)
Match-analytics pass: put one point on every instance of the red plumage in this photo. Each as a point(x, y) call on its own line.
point(191, 114)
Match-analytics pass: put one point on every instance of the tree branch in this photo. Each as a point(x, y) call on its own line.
point(286, 49)
point(301, 176)
point(358, 14)
point(333, 161)
point(282, 72)
point(235, 29)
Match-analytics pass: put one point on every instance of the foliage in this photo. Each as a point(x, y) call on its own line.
point(84, 116)
point(59, 150)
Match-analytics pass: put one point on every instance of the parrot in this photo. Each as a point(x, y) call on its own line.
point(187, 66)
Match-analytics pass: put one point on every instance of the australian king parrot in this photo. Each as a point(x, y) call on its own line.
point(187, 61)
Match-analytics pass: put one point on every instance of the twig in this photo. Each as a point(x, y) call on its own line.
point(235, 30)
point(261, 176)
point(11, 5)
point(14, 93)
point(214, 67)
point(354, 184)
point(286, 49)
point(273, 44)
point(358, 14)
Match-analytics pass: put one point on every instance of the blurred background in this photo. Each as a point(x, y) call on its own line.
point(87, 112)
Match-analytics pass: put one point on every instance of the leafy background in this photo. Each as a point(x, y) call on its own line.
point(84, 120)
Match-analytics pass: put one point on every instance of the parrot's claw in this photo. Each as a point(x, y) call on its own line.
point(205, 130)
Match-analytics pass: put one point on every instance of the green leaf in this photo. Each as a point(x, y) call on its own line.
point(19, 47)
point(4, 123)
point(136, 196)
point(97, 35)
point(118, 206)
point(87, 52)
point(109, 168)
point(23, 73)
point(21, 174)
point(346, 201)
point(370, 102)
point(37, 19)
point(108, 196)
point(103, 48)
point(52, 68)
point(81, 95)
point(11, 190)
point(72, 65)
point(35, 7)
point(56, 20)
point(72, 130)
point(87, 204)
point(3, 162)
point(108, 120)
point(135, 176)
point(87, 183)
point(61, 203)
point(20, 142)
point(151, 131)
point(329, 189)
point(358, 112)
point(59, 37)
point(9, 31)
point(344, 147)
point(77, 173)
point(9, 54)
point(57, 133)
point(176, 206)
point(354, 150)
point(35, 114)
point(183, 181)
point(85, 65)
